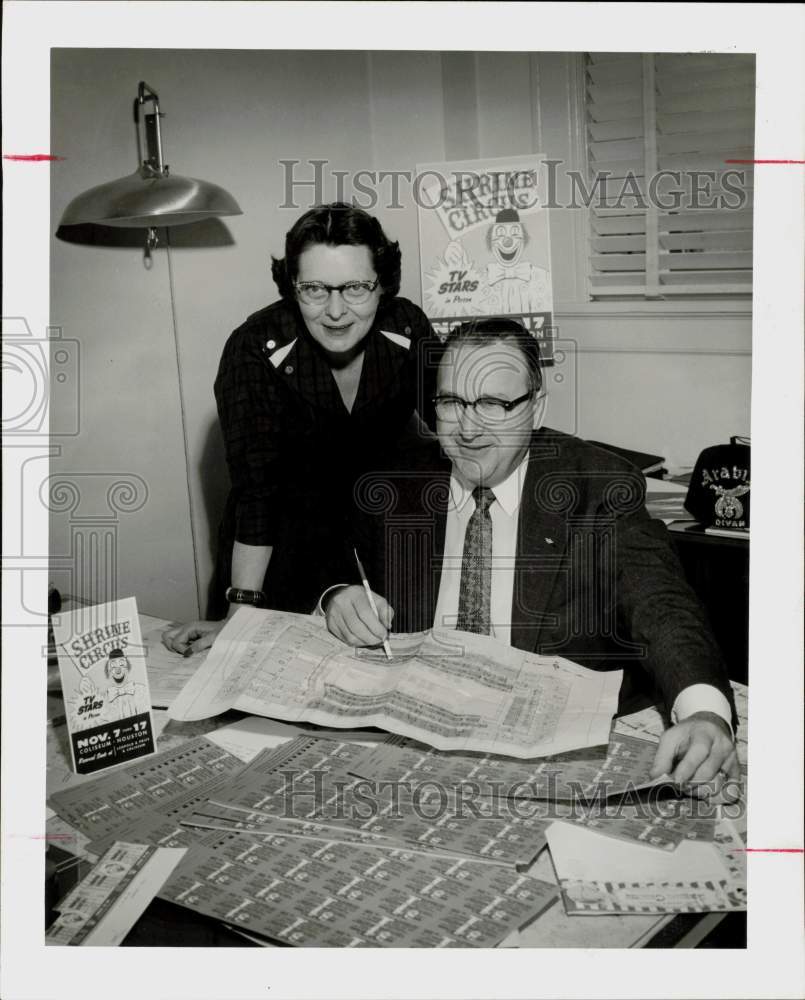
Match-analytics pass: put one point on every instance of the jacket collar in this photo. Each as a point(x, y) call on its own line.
point(382, 360)
point(302, 366)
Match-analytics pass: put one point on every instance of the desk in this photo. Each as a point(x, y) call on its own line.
point(716, 567)
point(718, 570)
point(164, 924)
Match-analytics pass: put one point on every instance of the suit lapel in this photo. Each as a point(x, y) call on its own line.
point(435, 498)
point(415, 533)
point(440, 503)
point(542, 539)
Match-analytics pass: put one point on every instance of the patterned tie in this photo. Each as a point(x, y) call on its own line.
point(475, 588)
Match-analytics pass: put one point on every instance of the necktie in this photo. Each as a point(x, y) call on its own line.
point(475, 588)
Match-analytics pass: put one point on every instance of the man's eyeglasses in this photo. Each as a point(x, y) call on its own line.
point(316, 293)
point(489, 408)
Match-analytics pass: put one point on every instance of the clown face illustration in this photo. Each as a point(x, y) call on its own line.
point(117, 667)
point(507, 240)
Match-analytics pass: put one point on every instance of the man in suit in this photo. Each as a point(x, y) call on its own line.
point(543, 541)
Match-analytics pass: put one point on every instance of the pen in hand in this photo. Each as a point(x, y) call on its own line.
point(372, 605)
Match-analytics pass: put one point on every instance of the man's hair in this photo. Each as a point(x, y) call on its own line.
point(336, 225)
point(500, 329)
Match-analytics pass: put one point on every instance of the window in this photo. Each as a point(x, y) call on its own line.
point(670, 215)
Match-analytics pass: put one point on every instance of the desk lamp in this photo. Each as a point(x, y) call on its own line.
point(151, 196)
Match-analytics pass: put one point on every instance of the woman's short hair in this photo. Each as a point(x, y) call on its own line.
point(335, 225)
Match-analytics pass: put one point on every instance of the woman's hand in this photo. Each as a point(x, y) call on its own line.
point(350, 617)
point(191, 638)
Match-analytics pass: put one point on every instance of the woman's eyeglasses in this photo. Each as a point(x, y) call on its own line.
point(489, 408)
point(316, 293)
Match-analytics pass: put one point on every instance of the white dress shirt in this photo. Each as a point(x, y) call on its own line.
point(504, 514)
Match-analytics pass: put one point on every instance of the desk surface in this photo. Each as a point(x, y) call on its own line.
point(164, 924)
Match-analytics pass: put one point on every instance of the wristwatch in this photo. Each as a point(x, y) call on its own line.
point(236, 595)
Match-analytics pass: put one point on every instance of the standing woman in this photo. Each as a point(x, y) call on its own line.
point(311, 391)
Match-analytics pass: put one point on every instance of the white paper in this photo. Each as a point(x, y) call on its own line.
point(452, 690)
point(168, 672)
point(584, 855)
point(598, 878)
point(247, 737)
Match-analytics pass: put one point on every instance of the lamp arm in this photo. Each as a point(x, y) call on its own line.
point(147, 93)
point(153, 135)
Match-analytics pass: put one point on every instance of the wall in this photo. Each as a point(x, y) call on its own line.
point(661, 378)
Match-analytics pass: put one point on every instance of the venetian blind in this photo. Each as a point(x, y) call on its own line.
point(656, 235)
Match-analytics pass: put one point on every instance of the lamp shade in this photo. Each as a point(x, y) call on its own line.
point(142, 200)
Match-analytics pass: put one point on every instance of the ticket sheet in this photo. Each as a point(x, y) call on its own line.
point(621, 764)
point(312, 894)
point(113, 895)
point(578, 784)
point(114, 803)
point(310, 779)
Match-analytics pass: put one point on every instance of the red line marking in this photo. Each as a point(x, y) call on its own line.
point(53, 836)
point(769, 850)
point(764, 161)
point(31, 157)
point(46, 836)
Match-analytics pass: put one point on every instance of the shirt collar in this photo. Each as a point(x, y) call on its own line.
point(507, 493)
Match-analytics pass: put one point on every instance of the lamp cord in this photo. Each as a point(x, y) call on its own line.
point(184, 421)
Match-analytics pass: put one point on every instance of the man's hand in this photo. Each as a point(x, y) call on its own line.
point(698, 752)
point(191, 638)
point(350, 617)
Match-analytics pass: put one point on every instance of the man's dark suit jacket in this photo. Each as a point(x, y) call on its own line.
point(596, 579)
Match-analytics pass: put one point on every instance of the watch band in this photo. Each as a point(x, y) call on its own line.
point(236, 595)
